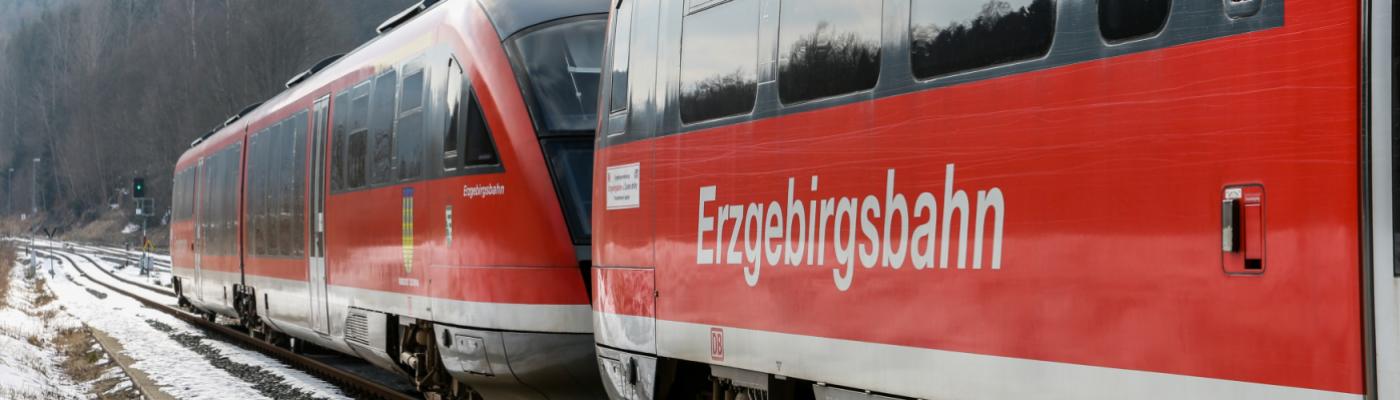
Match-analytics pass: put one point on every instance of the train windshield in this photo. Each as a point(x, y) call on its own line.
point(561, 65)
point(558, 67)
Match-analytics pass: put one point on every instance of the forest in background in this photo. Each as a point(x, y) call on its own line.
point(104, 91)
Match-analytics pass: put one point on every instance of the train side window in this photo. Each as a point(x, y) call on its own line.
point(231, 218)
point(269, 189)
point(408, 136)
point(206, 203)
point(949, 37)
point(178, 196)
point(719, 61)
point(216, 229)
point(253, 194)
point(827, 48)
point(357, 145)
point(286, 159)
point(228, 202)
point(381, 128)
point(280, 162)
point(451, 140)
point(621, 42)
point(340, 133)
point(297, 202)
point(214, 202)
point(1128, 19)
point(481, 150)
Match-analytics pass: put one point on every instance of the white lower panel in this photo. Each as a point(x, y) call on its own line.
point(937, 374)
point(625, 332)
point(215, 289)
point(549, 318)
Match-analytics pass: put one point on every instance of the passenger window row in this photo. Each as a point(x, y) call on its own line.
point(829, 48)
point(182, 206)
point(382, 128)
point(218, 216)
point(276, 192)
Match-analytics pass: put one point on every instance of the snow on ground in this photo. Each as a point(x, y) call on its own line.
point(154, 279)
point(177, 356)
point(28, 368)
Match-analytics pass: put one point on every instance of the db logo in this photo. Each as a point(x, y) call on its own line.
point(717, 344)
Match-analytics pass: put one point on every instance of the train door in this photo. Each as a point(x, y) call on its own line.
point(317, 259)
point(1384, 232)
point(199, 230)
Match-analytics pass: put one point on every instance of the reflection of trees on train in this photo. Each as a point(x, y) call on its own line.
point(816, 57)
point(718, 95)
point(999, 33)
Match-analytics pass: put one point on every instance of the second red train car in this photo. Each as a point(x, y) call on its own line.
point(1003, 199)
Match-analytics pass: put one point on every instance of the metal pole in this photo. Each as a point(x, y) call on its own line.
point(143, 245)
point(34, 188)
point(10, 192)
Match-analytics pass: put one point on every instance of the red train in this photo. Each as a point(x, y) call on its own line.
point(421, 202)
point(1069, 199)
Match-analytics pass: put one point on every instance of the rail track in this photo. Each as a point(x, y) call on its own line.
point(358, 386)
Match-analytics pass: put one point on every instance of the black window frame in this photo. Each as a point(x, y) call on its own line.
point(623, 17)
point(784, 59)
point(407, 165)
point(453, 140)
point(275, 192)
point(468, 120)
point(1133, 35)
point(477, 132)
point(338, 136)
point(681, 96)
point(355, 163)
point(1005, 59)
point(380, 168)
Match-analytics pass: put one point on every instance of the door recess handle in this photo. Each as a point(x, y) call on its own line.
point(1242, 231)
point(1229, 224)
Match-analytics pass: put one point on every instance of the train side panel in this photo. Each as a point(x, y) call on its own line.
point(1048, 233)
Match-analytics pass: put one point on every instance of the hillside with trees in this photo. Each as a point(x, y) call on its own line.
point(104, 91)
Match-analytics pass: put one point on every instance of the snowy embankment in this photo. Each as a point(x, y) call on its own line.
point(177, 357)
point(46, 353)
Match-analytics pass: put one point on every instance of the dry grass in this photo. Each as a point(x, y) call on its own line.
point(7, 264)
point(84, 361)
point(42, 295)
point(80, 355)
point(12, 226)
point(17, 394)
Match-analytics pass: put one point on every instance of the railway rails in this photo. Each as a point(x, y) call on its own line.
point(356, 385)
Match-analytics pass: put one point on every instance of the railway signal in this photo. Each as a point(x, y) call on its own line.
point(138, 187)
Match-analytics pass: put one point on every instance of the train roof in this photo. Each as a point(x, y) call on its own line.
point(511, 16)
point(508, 16)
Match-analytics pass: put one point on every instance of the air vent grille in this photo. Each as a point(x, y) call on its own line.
point(357, 328)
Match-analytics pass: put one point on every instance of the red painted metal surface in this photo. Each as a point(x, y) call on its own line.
point(1111, 173)
point(513, 248)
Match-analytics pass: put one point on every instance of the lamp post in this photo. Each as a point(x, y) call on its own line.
point(9, 192)
point(34, 187)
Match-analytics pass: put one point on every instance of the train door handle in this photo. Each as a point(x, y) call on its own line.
point(1242, 8)
point(1242, 231)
